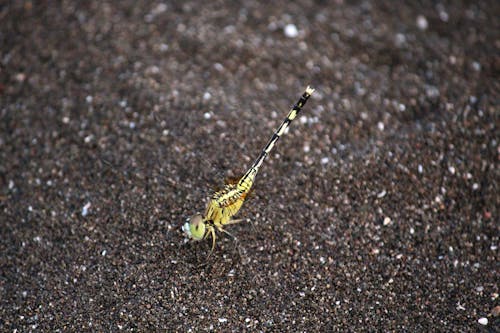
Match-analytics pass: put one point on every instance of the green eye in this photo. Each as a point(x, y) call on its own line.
point(195, 228)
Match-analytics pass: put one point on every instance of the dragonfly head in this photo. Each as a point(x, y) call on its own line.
point(195, 227)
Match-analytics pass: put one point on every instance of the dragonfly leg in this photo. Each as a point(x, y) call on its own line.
point(234, 221)
point(211, 230)
point(228, 233)
point(236, 241)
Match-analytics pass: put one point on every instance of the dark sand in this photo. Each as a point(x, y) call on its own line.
point(378, 211)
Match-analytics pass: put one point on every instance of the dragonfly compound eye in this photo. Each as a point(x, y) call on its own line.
point(195, 228)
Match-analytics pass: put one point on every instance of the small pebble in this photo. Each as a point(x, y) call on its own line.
point(88, 138)
point(476, 66)
point(163, 47)
point(400, 39)
point(496, 311)
point(444, 16)
point(291, 31)
point(218, 67)
point(20, 77)
point(207, 115)
point(160, 8)
point(222, 320)
point(85, 209)
point(387, 220)
point(422, 23)
point(483, 321)
point(206, 96)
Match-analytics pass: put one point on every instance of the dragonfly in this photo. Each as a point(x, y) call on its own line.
point(224, 204)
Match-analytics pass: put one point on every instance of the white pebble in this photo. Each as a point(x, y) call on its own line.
point(88, 138)
point(380, 126)
point(222, 320)
point(475, 186)
point(89, 99)
point(207, 115)
point(451, 169)
point(218, 67)
point(160, 8)
point(443, 16)
point(85, 209)
point(20, 77)
point(432, 92)
point(476, 66)
point(420, 168)
point(163, 47)
point(483, 321)
point(387, 220)
point(382, 194)
point(11, 184)
point(206, 96)
point(103, 253)
point(422, 23)
point(306, 148)
point(291, 31)
point(324, 160)
point(400, 39)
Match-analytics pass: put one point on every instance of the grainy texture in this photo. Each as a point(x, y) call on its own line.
point(377, 211)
